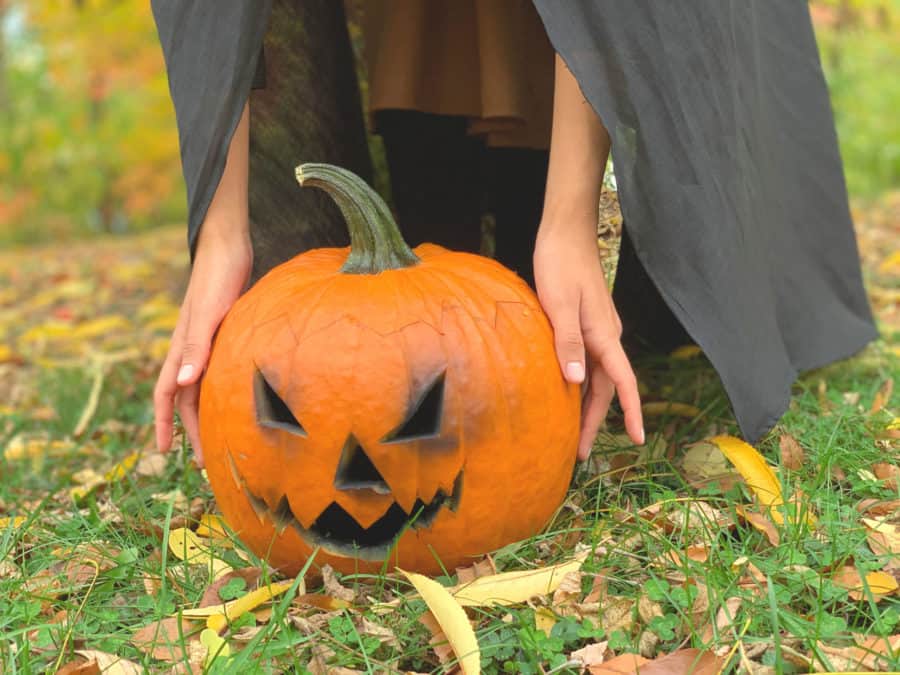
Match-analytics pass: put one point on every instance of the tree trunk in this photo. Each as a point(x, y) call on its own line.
point(309, 111)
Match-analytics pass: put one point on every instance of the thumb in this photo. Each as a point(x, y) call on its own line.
point(195, 352)
point(569, 343)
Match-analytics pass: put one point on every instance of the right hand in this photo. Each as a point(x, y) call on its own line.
point(221, 269)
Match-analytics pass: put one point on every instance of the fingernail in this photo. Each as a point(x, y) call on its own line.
point(185, 373)
point(574, 371)
point(643, 436)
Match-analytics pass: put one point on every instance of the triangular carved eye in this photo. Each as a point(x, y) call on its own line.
point(425, 419)
point(271, 410)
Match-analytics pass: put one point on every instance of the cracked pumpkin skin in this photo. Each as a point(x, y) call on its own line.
point(351, 340)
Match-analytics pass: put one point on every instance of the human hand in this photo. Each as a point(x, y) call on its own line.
point(586, 327)
point(222, 264)
point(221, 269)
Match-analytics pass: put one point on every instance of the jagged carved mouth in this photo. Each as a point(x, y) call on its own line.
point(338, 532)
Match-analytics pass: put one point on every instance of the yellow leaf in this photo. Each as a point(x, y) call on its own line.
point(123, 467)
point(234, 608)
point(185, 545)
point(212, 527)
point(16, 522)
point(544, 620)
point(665, 408)
point(879, 583)
point(215, 646)
point(753, 467)
point(452, 619)
point(890, 264)
point(509, 588)
point(686, 352)
point(101, 326)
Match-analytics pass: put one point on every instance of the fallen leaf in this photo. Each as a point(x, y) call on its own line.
point(884, 539)
point(509, 588)
point(724, 619)
point(756, 472)
point(887, 473)
point(691, 661)
point(658, 408)
point(234, 608)
point(791, 453)
point(186, 546)
point(879, 583)
point(544, 620)
point(761, 523)
point(870, 652)
point(110, 664)
point(882, 396)
point(704, 463)
point(216, 647)
point(481, 568)
point(151, 465)
point(624, 664)
point(452, 619)
point(685, 352)
point(80, 666)
point(334, 587)
point(591, 655)
point(166, 639)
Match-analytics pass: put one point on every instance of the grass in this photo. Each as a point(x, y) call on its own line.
point(86, 572)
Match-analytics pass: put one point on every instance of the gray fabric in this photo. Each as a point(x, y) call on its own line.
point(729, 176)
point(211, 51)
point(729, 179)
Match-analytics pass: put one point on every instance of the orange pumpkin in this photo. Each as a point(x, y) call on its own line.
point(388, 406)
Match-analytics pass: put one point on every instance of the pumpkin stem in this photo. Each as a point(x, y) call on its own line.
point(376, 244)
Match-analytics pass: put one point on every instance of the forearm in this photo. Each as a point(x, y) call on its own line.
point(227, 217)
point(578, 151)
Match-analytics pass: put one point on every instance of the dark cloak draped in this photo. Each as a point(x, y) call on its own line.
point(726, 159)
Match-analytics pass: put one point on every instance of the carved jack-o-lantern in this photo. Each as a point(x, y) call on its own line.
point(385, 404)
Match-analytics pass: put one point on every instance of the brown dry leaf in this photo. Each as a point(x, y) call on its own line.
point(761, 523)
point(887, 473)
point(693, 661)
point(882, 396)
point(879, 507)
point(724, 619)
point(879, 583)
point(567, 595)
point(703, 463)
point(648, 643)
point(624, 664)
point(80, 666)
point(482, 568)
point(110, 664)
point(166, 639)
point(591, 655)
point(647, 609)
point(438, 640)
point(680, 558)
point(616, 614)
point(870, 652)
point(792, 454)
point(884, 539)
point(152, 464)
point(319, 601)
point(334, 587)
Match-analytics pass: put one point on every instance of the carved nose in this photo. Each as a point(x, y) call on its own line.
point(356, 471)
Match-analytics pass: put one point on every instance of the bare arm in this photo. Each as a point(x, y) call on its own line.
point(221, 269)
point(567, 268)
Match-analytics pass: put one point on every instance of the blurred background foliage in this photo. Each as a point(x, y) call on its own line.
point(87, 132)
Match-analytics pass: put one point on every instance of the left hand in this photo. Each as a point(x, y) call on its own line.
point(587, 329)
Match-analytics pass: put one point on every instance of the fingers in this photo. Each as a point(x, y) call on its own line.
point(596, 405)
point(166, 385)
point(616, 366)
point(188, 402)
point(569, 343)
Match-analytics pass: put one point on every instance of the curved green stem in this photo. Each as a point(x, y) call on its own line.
point(376, 244)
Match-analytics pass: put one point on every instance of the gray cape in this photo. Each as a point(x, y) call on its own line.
point(723, 141)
